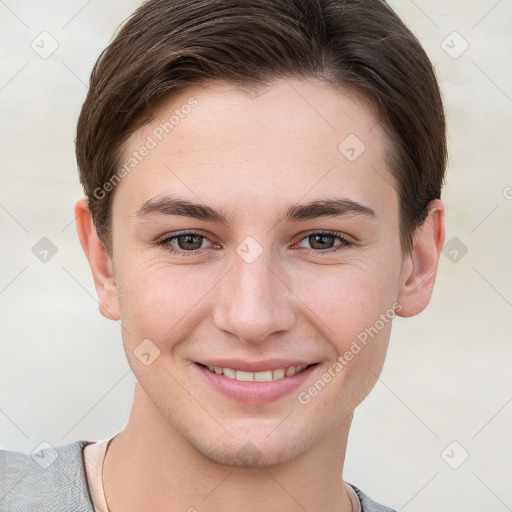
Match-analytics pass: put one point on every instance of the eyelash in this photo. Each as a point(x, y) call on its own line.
point(165, 242)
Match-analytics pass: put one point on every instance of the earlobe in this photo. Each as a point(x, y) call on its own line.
point(100, 262)
point(420, 266)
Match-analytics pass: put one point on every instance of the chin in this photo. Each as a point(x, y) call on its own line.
point(254, 455)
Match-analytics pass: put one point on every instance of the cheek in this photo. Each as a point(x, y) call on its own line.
point(353, 309)
point(164, 302)
point(161, 304)
point(158, 300)
point(346, 300)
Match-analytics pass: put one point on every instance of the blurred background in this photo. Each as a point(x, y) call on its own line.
point(434, 434)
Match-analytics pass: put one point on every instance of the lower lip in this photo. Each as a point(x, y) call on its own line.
point(252, 392)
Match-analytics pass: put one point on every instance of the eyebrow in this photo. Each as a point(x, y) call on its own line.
point(327, 208)
point(170, 205)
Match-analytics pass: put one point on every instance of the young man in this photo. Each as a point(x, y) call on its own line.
point(263, 187)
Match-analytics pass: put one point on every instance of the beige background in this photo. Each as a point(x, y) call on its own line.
point(63, 373)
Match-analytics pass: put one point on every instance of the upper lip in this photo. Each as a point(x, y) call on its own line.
point(255, 366)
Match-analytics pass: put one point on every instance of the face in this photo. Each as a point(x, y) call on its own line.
point(258, 234)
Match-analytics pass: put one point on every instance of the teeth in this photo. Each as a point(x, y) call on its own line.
point(229, 372)
point(264, 376)
point(245, 376)
point(278, 374)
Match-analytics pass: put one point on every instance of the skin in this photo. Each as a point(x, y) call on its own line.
point(251, 155)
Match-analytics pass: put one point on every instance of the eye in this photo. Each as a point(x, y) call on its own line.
point(324, 241)
point(190, 242)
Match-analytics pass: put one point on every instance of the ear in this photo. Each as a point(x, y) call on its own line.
point(100, 262)
point(420, 265)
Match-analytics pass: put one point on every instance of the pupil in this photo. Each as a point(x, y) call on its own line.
point(188, 239)
point(315, 238)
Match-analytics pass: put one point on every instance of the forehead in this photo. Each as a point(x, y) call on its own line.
point(286, 140)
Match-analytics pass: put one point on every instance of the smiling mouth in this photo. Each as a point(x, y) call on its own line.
point(263, 376)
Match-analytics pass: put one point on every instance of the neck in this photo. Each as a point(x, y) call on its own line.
point(151, 466)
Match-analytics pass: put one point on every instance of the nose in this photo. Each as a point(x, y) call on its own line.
point(254, 301)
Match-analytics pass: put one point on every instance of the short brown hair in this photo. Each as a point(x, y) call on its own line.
point(358, 45)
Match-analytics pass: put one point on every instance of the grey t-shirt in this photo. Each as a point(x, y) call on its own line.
point(54, 480)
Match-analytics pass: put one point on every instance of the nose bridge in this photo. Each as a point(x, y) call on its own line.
point(254, 302)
